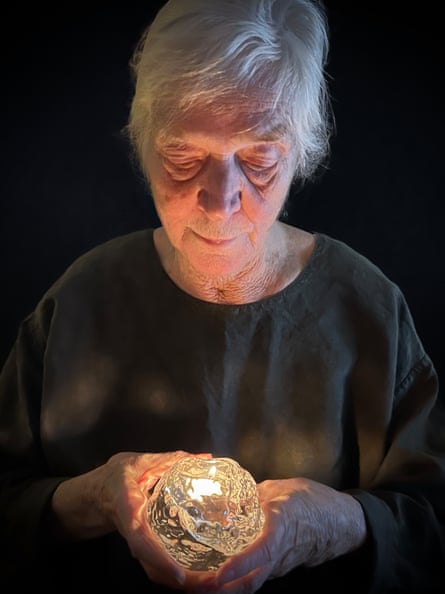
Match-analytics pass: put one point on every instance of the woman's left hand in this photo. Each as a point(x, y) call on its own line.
point(307, 523)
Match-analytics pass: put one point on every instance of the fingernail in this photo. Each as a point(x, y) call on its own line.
point(226, 576)
point(180, 577)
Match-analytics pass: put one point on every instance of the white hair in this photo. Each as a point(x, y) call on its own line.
point(205, 52)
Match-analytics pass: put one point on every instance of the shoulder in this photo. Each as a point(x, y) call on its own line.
point(122, 256)
point(108, 273)
point(362, 287)
point(355, 282)
point(106, 284)
point(343, 265)
point(354, 297)
point(120, 249)
point(99, 279)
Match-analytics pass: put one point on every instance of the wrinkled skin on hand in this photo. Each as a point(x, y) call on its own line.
point(131, 477)
point(114, 497)
point(307, 523)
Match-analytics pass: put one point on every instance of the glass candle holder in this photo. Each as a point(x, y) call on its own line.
point(205, 510)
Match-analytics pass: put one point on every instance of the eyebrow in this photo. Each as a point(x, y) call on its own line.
point(270, 133)
point(274, 133)
point(179, 144)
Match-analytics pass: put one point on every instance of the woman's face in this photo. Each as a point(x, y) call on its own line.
point(218, 184)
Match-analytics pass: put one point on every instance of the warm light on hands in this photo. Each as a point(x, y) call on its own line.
point(204, 511)
point(129, 479)
point(307, 523)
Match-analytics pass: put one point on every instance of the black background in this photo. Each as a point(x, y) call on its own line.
point(67, 182)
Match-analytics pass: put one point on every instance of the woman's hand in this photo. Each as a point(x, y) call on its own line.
point(113, 497)
point(307, 523)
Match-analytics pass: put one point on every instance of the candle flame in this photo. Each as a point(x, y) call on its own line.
point(202, 487)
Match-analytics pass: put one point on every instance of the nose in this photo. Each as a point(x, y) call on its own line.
point(219, 195)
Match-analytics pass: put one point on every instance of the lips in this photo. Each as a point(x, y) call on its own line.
point(216, 241)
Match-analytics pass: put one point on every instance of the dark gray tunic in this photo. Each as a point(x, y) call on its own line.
point(326, 379)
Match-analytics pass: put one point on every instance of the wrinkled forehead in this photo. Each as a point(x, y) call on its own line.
point(239, 116)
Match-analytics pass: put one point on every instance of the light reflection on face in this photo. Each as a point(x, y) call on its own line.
point(219, 183)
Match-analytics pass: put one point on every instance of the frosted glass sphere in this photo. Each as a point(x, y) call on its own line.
point(204, 511)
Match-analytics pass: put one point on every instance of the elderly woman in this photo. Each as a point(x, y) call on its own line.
point(224, 332)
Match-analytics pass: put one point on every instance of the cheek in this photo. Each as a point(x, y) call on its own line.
point(175, 208)
point(266, 206)
point(164, 190)
point(171, 196)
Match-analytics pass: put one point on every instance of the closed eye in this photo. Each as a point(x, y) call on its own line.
point(259, 173)
point(181, 169)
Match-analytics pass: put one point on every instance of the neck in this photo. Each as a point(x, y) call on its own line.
point(250, 284)
point(273, 268)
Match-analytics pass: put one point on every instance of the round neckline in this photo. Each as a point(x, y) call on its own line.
point(300, 280)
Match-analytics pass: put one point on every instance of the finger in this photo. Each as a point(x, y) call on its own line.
point(173, 580)
point(238, 568)
point(200, 581)
point(259, 554)
point(154, 558)
point(148, 482)
point(155, 465)
point(246, 584)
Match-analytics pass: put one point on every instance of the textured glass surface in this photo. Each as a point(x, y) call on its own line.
point(203, 511)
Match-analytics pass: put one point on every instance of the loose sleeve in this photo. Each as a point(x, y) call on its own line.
point(26, 485)
point(405, 503)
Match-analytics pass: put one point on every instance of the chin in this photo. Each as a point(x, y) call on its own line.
point(218, 266)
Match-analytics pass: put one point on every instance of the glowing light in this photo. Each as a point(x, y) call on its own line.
point(204, 487)
point(204, 511)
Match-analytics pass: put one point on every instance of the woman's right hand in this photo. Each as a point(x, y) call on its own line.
point(113, 497)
